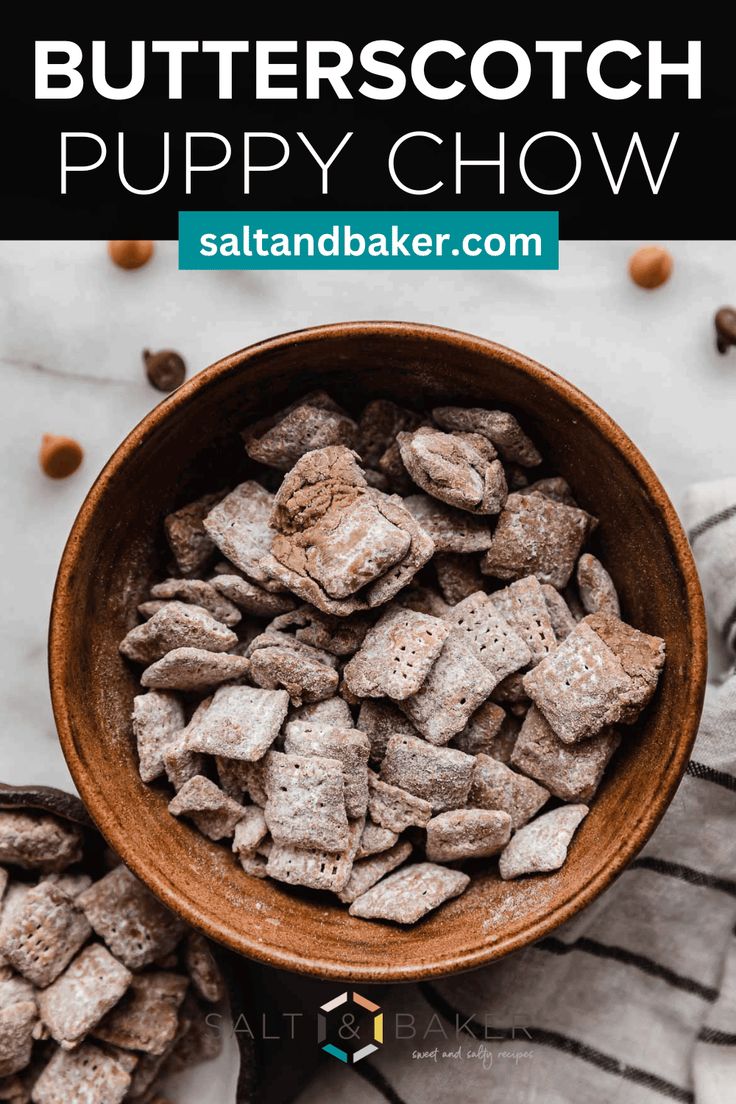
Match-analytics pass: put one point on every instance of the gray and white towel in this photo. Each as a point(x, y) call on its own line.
point(635, 999)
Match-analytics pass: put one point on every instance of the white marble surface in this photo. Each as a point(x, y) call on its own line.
point(73, 327)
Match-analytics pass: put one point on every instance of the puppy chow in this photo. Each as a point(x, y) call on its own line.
point(536, 536)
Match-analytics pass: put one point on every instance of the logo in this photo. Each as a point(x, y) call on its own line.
point(343, 1029)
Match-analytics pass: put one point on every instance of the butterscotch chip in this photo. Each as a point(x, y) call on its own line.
point(332, 711)
point(378, 427)
point(202, 968)
point(42, 935)
point(393, 808)
point(199, 593)
point(137, 929)
point(375, 839)
point(59, 457)
point(597, 591)
point(496, 786)
point(584, 686)
point(87, 1075)
point(542, 845)
point(500, 428)
point(460, 469)
point(483, 732)
point(240, 527)
point(410, 893)
point(366, 873)
point(554, 487)
point(458, 576)
point(454, 688)
point(176, 625)
point(214, 813)
point(250, 830)
point(147, 1017)
point(438, 775)
point(380, 719)
point(451, 530)
point(306, 801)
point(157, 717)
point(559, 612)
point(280, 662)
point(349, 746)
point(571, 772)
point(73, 1004)
point(396, 655)
point(523, 606)
point(341, 636)
point(251, 597)
point(467, 834)
point(38, 842)
point(241, 723)
point(536, 536)
point(193, 669)
point(188, 539)
point(491, 638)
point(280, 440)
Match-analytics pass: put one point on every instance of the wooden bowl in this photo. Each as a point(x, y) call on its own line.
point(189, 444)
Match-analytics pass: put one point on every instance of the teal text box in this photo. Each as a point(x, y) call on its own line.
point(368, 239)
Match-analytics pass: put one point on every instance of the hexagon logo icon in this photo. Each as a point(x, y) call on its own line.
point(345, 1032)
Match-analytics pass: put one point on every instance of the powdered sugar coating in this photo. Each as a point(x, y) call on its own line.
point(541, 846)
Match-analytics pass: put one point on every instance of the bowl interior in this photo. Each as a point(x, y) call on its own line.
point(190, 444)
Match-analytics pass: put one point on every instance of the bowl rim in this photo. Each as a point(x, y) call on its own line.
point(483, 953)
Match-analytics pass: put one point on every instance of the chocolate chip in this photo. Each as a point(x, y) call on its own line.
point(725, 328)
point(165, 370)
point(130, 254)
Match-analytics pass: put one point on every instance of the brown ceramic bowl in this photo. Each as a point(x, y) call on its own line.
point(189, 443)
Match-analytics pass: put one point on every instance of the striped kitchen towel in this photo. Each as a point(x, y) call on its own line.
point(634, 1000)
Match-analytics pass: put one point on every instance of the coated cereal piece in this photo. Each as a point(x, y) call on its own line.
point(460, 469)
point(187, 537)
point(196, 1043)
point(542, 845)
point(454, 688)
point(76, 1002)
point(157, 717)
point(496, 786)
point(180, 763)
point(254, 599)
point(281, 439)
point(250, 830)
point(214, 813)
point(332, 711)
point(571, 772)
point(410, 893)
point(34, 841)
point(458, 576)
point(88, 1075)
point(194, 669)
point(595, 585)
point(523, 605)
point(484, 732)
point(202, 968)
point(438, 775)
point(380, 719)
point(241, 723)
point(510, 691)
point(378, 426)
point(349, 746)
point(554, 487)
point(492, 639)
point(311, 867)
point(240, 527)
point(396, 655)
point(18, 1018)
point(341, 636)
point(366, 873)
point(392, 468)
point(254, 774)
point(499, 427)
point(147, 1017)
point(280, 662)
point(42, 935)
point(422, 599)
point(306, 801)
point(177, 625)
point(559, 612)
point(451, 530)
point(467, 834)
point(71, 884)
point(199, 593)
point(536, 536)
point(375, 839)
point(137, 929)
point(642, 657)
point(254, 864)
point(393, 808)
